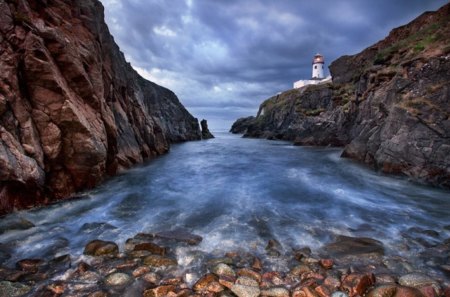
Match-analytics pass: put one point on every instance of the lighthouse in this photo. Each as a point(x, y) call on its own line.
point(318, 76)
point(317, 66)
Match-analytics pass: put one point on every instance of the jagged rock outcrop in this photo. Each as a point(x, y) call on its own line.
point(72, 110)
point(206, 134)
point(388, 105)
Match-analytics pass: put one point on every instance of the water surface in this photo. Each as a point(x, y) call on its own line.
point(237, 194)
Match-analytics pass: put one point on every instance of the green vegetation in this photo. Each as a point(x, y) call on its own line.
point(414, 44)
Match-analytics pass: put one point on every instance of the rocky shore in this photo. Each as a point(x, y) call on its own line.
point(388, 106)
point(149, 265)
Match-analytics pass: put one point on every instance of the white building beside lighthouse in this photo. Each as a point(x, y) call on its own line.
point(318, 76)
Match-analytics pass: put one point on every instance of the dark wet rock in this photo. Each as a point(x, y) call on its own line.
point(345, 245)
point(10, 289)
point(180, 235)
point(224, 260)
point(118, 279)
point(16, 224)
point(96, 228)
point(59, 264)
point(301, 253)
point(31, 265)
point(159, 261)
point(101, 248)
point(133, 244)
point(241, 125)
point(357, 284)
point(222, 269)
point(206, 134)
point(160, 291)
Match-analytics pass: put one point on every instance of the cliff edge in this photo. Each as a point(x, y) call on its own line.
point(72, 110)
point(389, 106)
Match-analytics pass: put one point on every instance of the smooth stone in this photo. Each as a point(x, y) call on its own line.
point(275, 292)
point(245, 291)
point(388, 290)
point(159, 261)
point(180, 235)
point(118, 279)
point(101, 248)
point(9, 289)
point(159, 291)
point(247, 281)
point(30, 265)
point(416, 280)
point(339, 294)
point(151, 278)
point(250, 273)
point(151, 247)
point(18, 224)
point(204, 281)
point(223, 269)
point(345, 245)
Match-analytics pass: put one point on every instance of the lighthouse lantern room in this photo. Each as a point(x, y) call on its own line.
point(317, 67)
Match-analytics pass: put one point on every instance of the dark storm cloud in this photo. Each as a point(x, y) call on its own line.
point(224, 57)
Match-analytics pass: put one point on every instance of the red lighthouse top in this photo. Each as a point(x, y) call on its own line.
point(318, 59)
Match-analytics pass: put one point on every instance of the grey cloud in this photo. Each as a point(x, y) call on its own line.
point(224, 55)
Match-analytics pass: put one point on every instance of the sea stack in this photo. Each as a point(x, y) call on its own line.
point(206, 134)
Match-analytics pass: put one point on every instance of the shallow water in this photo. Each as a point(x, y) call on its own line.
point(237, 194)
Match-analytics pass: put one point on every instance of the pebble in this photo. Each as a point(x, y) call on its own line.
point(159, 291)
point(223, 269)
point(118, 279)
point(245, 291)
point(416, 280)
point(275, 292)
point(159, 261)
point(101, 248)
point(339, 294)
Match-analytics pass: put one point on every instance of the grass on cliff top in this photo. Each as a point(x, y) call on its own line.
point(433, 36)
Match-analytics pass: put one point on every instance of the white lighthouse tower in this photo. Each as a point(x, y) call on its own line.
point(318, 76)
point(317, 67)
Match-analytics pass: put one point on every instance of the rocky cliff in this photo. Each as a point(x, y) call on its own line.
point(389, 106)
point(72, 110)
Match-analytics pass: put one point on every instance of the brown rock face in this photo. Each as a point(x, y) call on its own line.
point(72, 110)
point(388, 106)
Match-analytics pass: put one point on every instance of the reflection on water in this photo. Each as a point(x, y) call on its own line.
point(238, 193)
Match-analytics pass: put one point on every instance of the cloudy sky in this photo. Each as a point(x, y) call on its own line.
point(224, 57)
